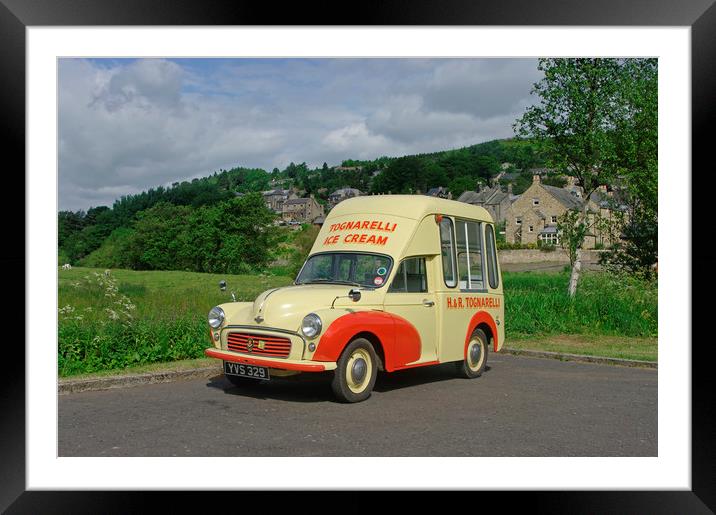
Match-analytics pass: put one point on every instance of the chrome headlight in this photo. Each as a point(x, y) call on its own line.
point(216, 317)
point(311, 325)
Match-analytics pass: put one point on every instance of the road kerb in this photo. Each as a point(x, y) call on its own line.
point(603, 360)
point(69, 385)
point(122, 381)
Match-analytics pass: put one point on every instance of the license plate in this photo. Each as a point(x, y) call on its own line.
point(251, 371)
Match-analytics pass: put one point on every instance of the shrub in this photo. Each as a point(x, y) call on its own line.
point(545, 247)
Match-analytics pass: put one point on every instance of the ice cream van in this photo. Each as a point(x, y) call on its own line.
point(392, 282)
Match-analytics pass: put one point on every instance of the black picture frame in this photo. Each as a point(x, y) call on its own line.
point(700, 15)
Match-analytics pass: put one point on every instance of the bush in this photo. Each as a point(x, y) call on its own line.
point(503, 245)
point(109, 335)
point(546, 247)
point(85, 347)
point(125, 318)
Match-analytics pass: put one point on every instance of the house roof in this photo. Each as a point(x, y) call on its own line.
point(470, 197)
point(276, 192)
point(497, 196)
point(297, 201)
point(564, 197)
point(490, 196)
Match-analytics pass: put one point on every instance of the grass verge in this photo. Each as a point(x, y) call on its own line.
point(128, 319)
point(623, 347)
point(171, 366)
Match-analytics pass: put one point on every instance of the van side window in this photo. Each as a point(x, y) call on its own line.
point(491, 256)
point(410, 277)
point(469, 254)
point(447, 249)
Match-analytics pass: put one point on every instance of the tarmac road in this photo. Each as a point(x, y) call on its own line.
point(519, 407)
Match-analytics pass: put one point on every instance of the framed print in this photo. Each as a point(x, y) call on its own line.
point(38, 38)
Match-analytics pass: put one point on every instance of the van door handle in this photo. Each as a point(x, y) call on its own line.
point(428, 303)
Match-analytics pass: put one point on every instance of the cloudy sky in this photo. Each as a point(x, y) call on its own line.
point(127, 125)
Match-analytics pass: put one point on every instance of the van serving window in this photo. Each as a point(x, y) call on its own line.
point(492, 275)
point(469, 254)
point(410, 277)
point(447, 250)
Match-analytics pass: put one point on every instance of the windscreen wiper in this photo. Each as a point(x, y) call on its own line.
point(332, 281)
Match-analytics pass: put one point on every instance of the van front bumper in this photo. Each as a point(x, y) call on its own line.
point(281, 364)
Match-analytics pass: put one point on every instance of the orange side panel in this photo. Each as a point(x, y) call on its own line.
point(399, 338)
point(479, 318)
point(407, 347)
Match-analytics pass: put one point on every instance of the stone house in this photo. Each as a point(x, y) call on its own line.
point(276, 198)
point(533, 217)
point(341, 195)
point(494, 200)
point(301, 210)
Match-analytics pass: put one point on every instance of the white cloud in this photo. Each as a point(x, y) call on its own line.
point(128, 125)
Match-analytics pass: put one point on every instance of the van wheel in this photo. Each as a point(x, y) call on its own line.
point(474, 363)
point(356, 371)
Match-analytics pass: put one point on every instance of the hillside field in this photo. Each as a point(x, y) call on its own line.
point(130, 318)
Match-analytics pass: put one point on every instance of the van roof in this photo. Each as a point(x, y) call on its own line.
point(409, 206)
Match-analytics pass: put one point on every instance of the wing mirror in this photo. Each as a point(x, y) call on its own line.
point(353, 294)
point(222, 287)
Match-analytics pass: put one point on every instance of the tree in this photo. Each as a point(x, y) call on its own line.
point(636, 160)
point(68, 223)
point(486, 167)
point(461, 184)
point(576, 120)
point(403, 175)
point(638, 247)
point(572, 230)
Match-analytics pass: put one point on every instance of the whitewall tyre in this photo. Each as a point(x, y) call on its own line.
point(356, 371)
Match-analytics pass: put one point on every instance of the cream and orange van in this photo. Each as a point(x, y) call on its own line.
point(392, 282)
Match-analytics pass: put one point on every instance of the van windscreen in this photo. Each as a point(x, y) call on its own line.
point(358, 269)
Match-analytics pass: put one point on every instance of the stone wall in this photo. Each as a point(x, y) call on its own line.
point(538, 256)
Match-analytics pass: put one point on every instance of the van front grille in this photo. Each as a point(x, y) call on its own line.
point(259, 344)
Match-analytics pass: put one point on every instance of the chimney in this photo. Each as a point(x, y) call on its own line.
point(509, 188)
point(536, 178)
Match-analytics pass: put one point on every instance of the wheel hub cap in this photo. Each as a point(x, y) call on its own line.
point(475, 354)
point(358, 370)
